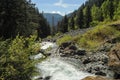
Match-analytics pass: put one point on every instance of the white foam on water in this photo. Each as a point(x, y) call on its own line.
point(45, 45)
point(60, 70)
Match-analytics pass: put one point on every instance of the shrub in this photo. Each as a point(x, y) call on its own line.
point(94, 23)
point(15, 62)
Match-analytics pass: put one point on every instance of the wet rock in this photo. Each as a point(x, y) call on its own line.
point(96, 78)
point(73, 47)
point(97, 68)
point(63, 55)
point(89, 70)
point(86, 61)
point(117, 75)
point(105, 60)
point(39, 78)
point(65, 44)
point(100, 73)
point(67, 49)
point(80, 52)
point(48, 54)
point(47, 78)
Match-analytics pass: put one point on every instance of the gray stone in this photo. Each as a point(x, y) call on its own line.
point(47, 78)
point(100, 73)
point(80, 52)
point(86, 61)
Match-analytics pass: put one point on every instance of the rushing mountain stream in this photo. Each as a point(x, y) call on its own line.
point(60, 70)
point(57, 69)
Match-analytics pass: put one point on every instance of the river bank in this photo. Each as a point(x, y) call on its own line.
point(73, 66)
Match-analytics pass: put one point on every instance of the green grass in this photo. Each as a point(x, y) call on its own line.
point(93, 38)
point(65, 38)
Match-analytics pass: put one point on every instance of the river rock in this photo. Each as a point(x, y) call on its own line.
point(65, 44)
point(39, 78)
point(47, 78)
point(86, 61)
point(96, 78)
point(112, 40)
point(80, 52)
point(73, 47)
point(100, 73)
point(114, 59)
point(105, 47)
point(67, 49)
point(117, 76)
point(48, 54)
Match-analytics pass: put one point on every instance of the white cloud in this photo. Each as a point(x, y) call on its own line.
point(60, 3)
point(58, 12)
point(61, 13)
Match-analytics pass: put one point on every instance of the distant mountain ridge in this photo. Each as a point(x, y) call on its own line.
point(50, 16)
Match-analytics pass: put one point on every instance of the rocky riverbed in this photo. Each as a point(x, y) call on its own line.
point(105, 61)
point(93, 62)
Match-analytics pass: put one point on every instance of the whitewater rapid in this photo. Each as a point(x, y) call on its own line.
point(58, 69)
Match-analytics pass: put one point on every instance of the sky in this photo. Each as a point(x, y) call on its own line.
point(58, 6)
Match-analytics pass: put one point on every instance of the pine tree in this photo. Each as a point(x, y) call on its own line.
point(72, 24)
point(117, 12)
point(64, 25)
point(96, 13)
point(16, 18)
point(111, 9)
point(87, 16)
point(107, 10)
point(80, 19)
point(44, 28)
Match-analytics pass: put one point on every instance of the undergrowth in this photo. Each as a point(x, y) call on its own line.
point(93, 38)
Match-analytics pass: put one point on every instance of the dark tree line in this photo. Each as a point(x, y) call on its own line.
point(19, 22)
point(21, 17)
point(63, 25)
point(91, 13)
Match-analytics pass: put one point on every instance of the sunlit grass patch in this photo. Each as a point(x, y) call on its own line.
point(65, 38)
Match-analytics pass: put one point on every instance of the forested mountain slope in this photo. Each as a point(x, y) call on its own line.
point(91, 13)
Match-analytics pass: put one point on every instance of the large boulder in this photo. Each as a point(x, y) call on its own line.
point(65, 44)
point(81, 52)
point(100, 73)
point(67, 49)
point(96, 78)
point(47, 78)
point(86, 61)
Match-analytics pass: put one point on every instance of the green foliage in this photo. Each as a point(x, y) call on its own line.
point(93, 12)
point(21, 17)
point(87, 17)
point(71, 24)
point(93, 38)
point(107, 10)
point(58, 34)
point(65, 38)
point(80, 19)
point(94, 23)
point(15, 62)
point(96, 13)
point(63, 25)
point(17, 18)
point(117, 13)
point(44, 28)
